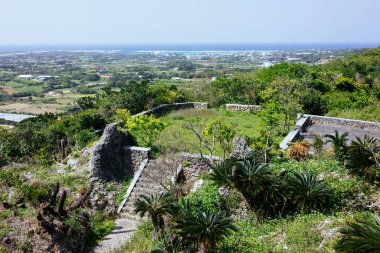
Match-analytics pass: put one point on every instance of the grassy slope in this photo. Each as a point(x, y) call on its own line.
point(243, 122)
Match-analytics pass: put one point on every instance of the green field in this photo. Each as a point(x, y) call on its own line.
point(244, 123)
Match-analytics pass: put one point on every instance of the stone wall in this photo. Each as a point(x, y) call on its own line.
point(166, 108)
point(331, 121)
point(108, 160)
point(245, 108)
point(134, 157)
point(194, 166)
point(114, 159)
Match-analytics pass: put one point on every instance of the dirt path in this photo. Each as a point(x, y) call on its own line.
point(123, 230)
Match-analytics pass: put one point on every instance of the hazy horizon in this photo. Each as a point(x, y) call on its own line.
point(146, 22)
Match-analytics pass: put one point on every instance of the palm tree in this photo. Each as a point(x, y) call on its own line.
point(157, 206)
point(307, 193)
point(360, 235)
point(339, 143)
point(206, 229)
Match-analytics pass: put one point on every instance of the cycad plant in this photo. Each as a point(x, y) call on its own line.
point(307, 193)
point(339, 143)
point(255, 181)
point(156, 206)
point(360, 236)
point(359, 156)
point(205, 229)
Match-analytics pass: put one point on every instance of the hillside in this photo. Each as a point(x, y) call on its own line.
point(254, 198)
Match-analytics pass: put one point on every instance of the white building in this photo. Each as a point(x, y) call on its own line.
point(26, 77)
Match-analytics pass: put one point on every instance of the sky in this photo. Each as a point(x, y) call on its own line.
point(28, 22)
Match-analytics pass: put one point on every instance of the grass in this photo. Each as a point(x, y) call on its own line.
point(244, 123)
point(301, 233)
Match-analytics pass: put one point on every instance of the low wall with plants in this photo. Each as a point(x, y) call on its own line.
point(245, 108)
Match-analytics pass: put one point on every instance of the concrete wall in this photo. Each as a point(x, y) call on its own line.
point(293, 135)
point(245, 108)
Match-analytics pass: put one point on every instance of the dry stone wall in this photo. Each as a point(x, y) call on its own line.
point(244, 108)
point(114, 159)
point(166, 108)
point(331, 121)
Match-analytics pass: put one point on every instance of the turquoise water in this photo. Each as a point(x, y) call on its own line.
point(189, 49)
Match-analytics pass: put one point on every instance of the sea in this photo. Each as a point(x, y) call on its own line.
point(187, 49)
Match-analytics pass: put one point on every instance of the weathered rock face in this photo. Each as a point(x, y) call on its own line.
point(134, 156)
point(108, 159)
point(241, 148)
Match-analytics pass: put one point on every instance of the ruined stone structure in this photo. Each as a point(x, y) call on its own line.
point(113, 157)
point(309, 125)
point(244, 108)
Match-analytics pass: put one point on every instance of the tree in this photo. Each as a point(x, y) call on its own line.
point(206, 228)
point(270, 121)
point(209, 135)
point(156, 206)
point(257, 183)
point(286, 93)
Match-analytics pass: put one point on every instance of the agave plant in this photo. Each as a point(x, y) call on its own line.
point(339, 143)
point(206, 229)
point(156, 206)
point(307, 193)
point(299, 150)
point(360, 235)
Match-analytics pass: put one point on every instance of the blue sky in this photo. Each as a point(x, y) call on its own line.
point(188, 21)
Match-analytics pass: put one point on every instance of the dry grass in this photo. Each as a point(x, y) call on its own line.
point(30, 108)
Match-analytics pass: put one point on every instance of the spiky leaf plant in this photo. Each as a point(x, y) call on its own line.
point(299, 150)
point(307, 193)
point(360, 236)
point(156, 206)
point(206, 229)
point(359, 154)
point(339, 143)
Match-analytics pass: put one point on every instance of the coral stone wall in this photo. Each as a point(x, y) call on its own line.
point(245, 108)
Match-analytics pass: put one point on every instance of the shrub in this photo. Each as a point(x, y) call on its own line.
point(146, 128)
point(206, 198)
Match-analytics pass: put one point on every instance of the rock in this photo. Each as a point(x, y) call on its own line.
point(197, 185)
point(15, 196)
point(28, 175)
point(240, 148)
point(101, 200)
